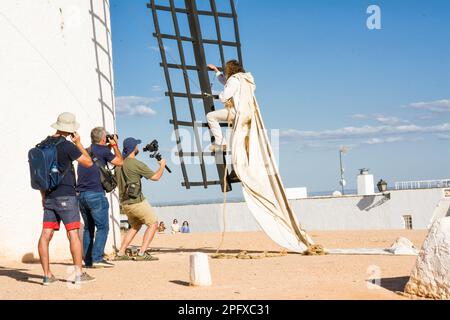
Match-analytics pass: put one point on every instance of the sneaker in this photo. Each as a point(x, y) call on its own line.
point(103, 264)
point(84, 278)
point(48, 281)
point(145, 257)
point(122, 258)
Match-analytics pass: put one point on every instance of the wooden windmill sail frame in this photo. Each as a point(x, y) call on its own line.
point(195, 37)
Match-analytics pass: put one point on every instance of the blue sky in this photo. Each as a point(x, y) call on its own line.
point(323, 79)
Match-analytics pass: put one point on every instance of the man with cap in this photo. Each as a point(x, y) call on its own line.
point(61, 203)
point(132, 201)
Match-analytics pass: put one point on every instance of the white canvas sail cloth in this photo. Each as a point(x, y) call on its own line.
point(255, 165)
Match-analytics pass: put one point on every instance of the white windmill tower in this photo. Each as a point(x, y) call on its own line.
point(55, 56)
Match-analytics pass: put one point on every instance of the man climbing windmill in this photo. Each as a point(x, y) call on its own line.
point(253, 159)
point(231, 91)
point(252, 156)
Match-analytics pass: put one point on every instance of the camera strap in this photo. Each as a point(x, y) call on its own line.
point(96, 161)
point(124, 175)
point(126, 178)
point(91, 154)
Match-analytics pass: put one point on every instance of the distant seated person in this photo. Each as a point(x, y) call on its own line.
point(175, 227)
point(185, 227)
point(162, 227)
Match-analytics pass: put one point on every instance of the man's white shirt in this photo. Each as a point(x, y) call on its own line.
point(231, 90)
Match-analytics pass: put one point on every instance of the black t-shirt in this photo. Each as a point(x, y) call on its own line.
point(67, 153)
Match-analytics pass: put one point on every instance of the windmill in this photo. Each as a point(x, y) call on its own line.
point(262, 186)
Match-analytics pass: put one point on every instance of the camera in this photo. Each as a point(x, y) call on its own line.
point(153, 148)
point(111, 137)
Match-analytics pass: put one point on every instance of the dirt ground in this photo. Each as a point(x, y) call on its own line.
point(291, 277)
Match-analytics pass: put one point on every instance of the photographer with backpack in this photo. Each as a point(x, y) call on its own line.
point(94, 206)
point(52, 172)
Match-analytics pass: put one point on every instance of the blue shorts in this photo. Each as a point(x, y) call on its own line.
point(63, 209)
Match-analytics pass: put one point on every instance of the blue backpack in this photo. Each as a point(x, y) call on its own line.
point(43, 160)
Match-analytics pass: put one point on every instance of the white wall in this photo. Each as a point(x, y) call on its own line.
point(320, 214)
point(47, 66)
point(369, 212)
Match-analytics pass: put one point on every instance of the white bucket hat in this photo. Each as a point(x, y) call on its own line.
point(66, 122)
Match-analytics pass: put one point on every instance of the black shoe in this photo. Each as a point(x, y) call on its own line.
point(233, 178)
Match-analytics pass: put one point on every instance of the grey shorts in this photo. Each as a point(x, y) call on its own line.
point(63, 209)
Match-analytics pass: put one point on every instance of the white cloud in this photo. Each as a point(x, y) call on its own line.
point(375, 141)
point(363, 132)
point(355, 137)
point(383, 129)
point(438, 106)
point(389, 120)
point(136, 106)
point(443, 136)
point(156, 48)
point(157, 88)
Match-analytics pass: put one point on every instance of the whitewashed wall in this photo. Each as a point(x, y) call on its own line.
point(320, 214)
point(48, 65)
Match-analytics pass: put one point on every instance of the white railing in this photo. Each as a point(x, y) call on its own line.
point(430, 184)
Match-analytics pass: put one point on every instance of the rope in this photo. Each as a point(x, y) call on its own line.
point(224, 209)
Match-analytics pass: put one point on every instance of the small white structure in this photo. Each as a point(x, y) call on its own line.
point(403, 247)
point(336, 194)
point(296, 193)
point(442, 209)
point(430, 277)
point(200, 274)
point(55, 57)
point(365, 183)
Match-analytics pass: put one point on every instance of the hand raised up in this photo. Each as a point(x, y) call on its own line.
point(75, 138)
point(213, 68)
